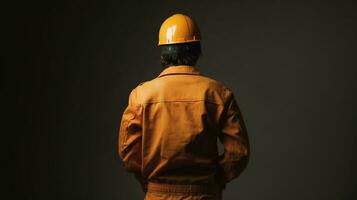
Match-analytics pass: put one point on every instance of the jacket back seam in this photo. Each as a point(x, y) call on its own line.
point(182, 100)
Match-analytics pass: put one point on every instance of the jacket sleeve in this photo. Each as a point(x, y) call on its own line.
point(234, 138)
point(130, 138)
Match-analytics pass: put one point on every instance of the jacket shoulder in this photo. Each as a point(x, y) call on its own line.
point(215, 82)
point(218, 84)
point(226, 91)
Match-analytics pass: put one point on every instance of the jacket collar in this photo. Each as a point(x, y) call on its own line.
point(180, 69)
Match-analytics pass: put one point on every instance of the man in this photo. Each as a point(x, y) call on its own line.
point(169, 130)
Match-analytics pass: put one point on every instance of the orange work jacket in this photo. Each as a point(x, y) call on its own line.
point(169, 131)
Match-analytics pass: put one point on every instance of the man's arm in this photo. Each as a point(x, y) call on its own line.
point(235, 141)
point(130, 138)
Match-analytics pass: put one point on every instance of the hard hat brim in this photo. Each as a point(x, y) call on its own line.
point(177, 42)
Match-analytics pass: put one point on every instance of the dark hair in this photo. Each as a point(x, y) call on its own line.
point(180, 54)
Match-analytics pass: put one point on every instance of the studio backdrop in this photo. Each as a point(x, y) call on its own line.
point(291, 65)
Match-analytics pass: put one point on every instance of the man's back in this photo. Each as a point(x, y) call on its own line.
point(177, 118)
point(181, 119)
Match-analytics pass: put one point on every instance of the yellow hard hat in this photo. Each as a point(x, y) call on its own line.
point(178, 29)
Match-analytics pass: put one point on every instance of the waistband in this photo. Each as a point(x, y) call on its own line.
point(182, 188)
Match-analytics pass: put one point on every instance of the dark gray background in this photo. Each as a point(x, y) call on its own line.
point(291, 65)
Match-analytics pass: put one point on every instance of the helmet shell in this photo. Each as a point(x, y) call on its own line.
point(178, 28)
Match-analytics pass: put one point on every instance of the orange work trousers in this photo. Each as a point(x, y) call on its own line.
point(182, 192)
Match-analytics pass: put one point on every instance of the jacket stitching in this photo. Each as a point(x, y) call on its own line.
point(182, 100)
